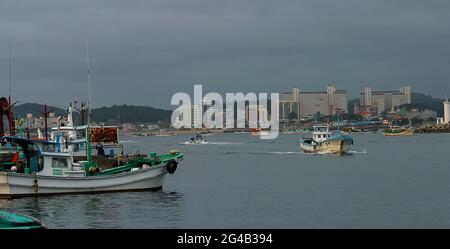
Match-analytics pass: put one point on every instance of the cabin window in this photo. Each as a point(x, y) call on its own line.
point(59, 162)
point(48, 147)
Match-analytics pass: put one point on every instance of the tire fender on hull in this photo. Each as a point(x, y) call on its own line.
point(171, 166)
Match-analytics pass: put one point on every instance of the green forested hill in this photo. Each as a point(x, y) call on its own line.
point(115, 113)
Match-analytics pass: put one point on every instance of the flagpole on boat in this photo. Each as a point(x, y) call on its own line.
point(9, 70)
point(11, 117)
point(338, 121)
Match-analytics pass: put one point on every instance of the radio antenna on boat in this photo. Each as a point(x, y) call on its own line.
point(338, 120)
point(11, 116)
point(89, 77)
point(9, 70)
point(45, 113)
point(88, 152)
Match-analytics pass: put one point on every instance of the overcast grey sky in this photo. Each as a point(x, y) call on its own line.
point(142, 52)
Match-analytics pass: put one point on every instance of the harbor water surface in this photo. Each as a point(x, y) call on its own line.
point(241, 181)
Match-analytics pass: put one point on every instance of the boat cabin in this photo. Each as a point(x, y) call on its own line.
point(321, 133)
point(73, 139)
point(37, 154)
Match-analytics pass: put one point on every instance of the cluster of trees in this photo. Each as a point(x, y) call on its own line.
point(130, 114)
point(423, 102)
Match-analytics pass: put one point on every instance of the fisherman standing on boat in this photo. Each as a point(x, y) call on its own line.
point(100, 149)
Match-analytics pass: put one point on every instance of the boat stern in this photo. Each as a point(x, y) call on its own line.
point(5, 190)
point(4, 186)
point(346, 142)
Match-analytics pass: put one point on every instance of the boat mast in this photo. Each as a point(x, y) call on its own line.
point(45, 114)
point(338, 121)
point(9, 71)
point(89, 156)
point(10, 117)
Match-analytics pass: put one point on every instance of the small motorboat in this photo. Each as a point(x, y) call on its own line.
point(12, 220)
point(259, 132)
point(197, 139)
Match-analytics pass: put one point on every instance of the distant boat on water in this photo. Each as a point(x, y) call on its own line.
point(325, 142)
point(197, 139)
point(398, 131)
point(259, 132)
point(364, 126)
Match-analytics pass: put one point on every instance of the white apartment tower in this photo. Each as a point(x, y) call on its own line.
point(368, 96)
point(446, 111)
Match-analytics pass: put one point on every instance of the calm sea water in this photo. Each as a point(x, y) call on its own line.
point(240, 181)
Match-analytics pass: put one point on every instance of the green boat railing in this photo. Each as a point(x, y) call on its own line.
point(150, 160)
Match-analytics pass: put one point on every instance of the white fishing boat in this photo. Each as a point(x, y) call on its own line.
point(46, 172)
point(48, 169)
point(325, 142)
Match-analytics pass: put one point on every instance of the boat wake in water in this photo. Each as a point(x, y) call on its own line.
point(195, 143)
point(214, 143)
point(130, 141)
point(265, 152)
point(350, 152)
point(224, 143)
point(281, 152)
point(364, 151)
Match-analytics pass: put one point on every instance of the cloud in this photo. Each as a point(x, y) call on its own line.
point(142, 52)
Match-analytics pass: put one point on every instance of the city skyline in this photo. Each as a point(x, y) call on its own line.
point(226, 46)
point(350, 96)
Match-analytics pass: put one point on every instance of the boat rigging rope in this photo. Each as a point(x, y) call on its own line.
point(35, 184)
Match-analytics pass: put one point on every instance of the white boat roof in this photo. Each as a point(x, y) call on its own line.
point(82, 127)
point(80, 140)
point(62, 128)
point(63, 154)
